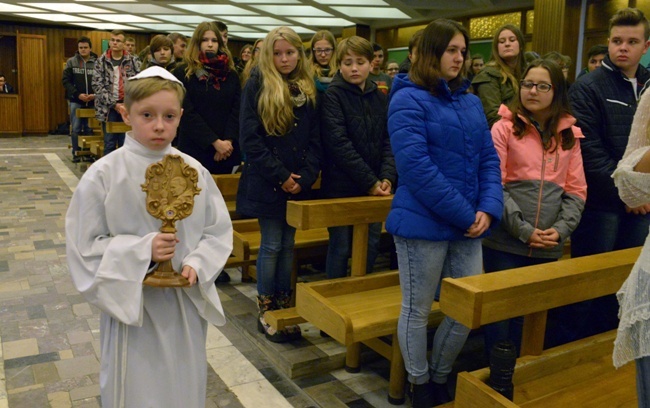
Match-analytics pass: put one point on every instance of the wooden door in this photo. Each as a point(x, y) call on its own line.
point(33, 94)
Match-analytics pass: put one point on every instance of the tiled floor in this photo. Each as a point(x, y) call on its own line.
point(49, 333)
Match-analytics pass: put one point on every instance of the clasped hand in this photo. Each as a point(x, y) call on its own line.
point(224, 149)
point(544, 239)
point(290, 185)
point(481, 224)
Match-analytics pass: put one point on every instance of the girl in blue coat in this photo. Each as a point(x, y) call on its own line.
point(449, 194)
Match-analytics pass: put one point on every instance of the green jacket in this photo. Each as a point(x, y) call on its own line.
point(488, 85)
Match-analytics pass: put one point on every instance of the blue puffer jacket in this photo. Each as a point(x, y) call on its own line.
point(447, 165)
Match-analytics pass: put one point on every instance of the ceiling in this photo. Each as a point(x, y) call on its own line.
point(246, 19)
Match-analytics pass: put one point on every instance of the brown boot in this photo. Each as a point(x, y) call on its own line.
point(264, 304)
point(283, 301)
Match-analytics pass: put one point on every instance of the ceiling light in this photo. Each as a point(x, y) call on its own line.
point(305, 11)
point(266, 1)
point(323, 21)
point(61, 18)
point(164, 27)
point(67, 7)
point(246, 35)
point(352, 2)
point(122, 18)
point(107, 26)
point(372, 12)
point(216, 9)
point(253, 20)
point(194, 19)
point(12, 8)
point(139, 8)
point(297, 29)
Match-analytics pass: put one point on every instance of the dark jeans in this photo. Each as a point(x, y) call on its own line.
point(511, 329)
point(599, 232)
point(112, 140)
point(339, 249)
point(275, 257)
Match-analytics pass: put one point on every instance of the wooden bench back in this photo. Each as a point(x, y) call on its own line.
point(117, 127)
point(356, 211)
point(531, 291)
point(227, 184)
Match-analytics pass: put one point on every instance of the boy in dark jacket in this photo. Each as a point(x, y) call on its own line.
point(77, 80)
point(358, 159)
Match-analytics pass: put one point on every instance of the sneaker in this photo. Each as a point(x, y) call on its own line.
point(76, 159)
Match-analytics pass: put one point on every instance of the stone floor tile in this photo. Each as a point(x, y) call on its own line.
point(19, 348)
point(59, 399)
point(78, 366)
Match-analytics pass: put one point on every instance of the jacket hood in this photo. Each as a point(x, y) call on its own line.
point(401, 81)
point(92, 57)
point(565, 122)
point(339, 82)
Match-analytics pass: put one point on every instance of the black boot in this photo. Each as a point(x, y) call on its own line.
point(440, 394)
point(422, 395)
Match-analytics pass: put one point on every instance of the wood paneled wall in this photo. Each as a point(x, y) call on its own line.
point(10, 118)
point(56, 105)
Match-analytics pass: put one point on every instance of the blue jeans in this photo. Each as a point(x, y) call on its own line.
point(421, 265)
point(598, 232)
point(511, 329)
point(76, 125)
point(112, 140)
point(340, 249)
point(275, 258)
point(643, 381)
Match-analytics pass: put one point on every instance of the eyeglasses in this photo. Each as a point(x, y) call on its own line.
point(392, 69)
point(541, 87)
point(325, 51)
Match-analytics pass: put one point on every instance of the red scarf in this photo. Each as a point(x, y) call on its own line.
point(215, 68)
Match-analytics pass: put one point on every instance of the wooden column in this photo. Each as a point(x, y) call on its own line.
point(359, 29)
point(557, 24)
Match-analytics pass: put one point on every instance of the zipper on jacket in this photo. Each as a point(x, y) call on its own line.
point(541, 187)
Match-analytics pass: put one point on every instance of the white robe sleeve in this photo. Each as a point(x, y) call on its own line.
point(210, 254)
point(107, 270)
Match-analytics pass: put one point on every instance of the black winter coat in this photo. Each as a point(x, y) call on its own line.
point(270, 160)
point(604, 104)
point(356, 145)
point(209, 114)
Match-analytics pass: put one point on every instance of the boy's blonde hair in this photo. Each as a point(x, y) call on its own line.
point(275, 106)
point(138, 89)
point(354, 45)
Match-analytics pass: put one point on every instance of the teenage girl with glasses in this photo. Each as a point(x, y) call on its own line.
point(544, 187)
point(323, 63)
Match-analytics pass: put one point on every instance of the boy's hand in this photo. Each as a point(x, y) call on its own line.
point(380, 189)
point(163, 247)
point(190, 274)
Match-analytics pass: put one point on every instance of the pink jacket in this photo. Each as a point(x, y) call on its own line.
point(542, 189)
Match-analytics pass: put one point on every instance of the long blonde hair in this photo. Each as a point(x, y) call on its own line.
point(252, 63)
point(191, 56)
point(316, 69)
point(275, 105)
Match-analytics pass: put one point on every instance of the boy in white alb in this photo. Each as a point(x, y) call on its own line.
point(152, 339)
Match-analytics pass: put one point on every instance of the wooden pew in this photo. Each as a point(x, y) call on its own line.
point(358, 309)
point(361, 309)
point(246, 236)
point(577, 374)
point(117, 127)
point(85, 141)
